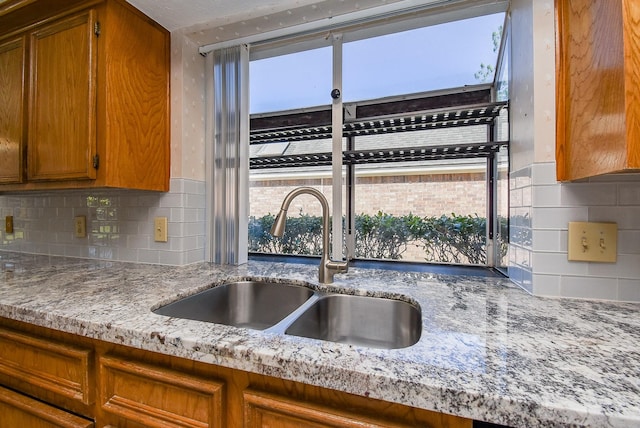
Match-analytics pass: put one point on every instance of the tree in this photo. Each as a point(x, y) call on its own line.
point(487, 71)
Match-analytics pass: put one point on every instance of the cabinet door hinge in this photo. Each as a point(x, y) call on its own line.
point(96, 161)
point(96, 28)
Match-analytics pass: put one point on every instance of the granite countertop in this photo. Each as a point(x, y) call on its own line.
point(488, 350)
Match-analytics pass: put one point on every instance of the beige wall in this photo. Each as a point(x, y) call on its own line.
point(187, 109)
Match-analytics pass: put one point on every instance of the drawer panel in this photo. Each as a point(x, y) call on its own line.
point(153, 396)
point(263, 409)
point(45, 369)
point(17, 410)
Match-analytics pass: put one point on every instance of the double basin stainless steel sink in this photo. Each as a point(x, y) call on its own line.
point(299, 311)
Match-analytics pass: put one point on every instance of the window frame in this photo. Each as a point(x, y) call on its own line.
point(355, 32)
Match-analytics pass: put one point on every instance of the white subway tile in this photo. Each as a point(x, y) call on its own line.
point(588, 194)
point(629, 193)
point(128, 254)
point(172, 200)
point(546, 196)
point(628, 241)
point(557, 264)
point(177, 185)
point(194, 229)
point(549, 240)
point(194, 201)
point(557, 218)
point(629, 290)
point(546, 285)
point(194, 256)
point(148, 256)
point(192, 214)
point(174, 258)
point(527, 196)
point(627, 266)
point(628, 218)
point(589, 288)
point(544, 173)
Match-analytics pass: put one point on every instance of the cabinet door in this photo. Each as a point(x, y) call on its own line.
point(597, 88)
point(62, 124)
point(17, 410)
point(12, 66)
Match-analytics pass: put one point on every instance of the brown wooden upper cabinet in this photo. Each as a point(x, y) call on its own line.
point(597, 87)
point(95, 79)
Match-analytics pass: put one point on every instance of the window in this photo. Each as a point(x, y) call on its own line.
point(420, 143)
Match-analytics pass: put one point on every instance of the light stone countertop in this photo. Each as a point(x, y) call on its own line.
point(488, 350)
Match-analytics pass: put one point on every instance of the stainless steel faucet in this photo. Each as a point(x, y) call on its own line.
point(328, 268)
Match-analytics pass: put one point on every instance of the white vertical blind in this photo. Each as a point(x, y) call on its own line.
point(229, 173)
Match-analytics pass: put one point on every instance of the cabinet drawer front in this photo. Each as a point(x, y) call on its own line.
point(20, 411)
point(156, 397)
point(39, 367)
point(263, 409)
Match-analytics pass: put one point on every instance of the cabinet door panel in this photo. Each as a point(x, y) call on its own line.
point(17, 410)
point(57, 373)
point(12, 66)
point(133, 394)
point(62, 126)
point(267, 410)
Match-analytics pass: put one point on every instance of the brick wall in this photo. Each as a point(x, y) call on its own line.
point(423, 195)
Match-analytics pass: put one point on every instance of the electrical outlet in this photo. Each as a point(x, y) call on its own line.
point(80, 226)
point(160, 229)
point(593, 242)
point(8, 224)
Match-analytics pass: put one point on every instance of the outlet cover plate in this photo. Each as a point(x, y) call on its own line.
point(160, 229)
point(80, 226)
point(8, 223)
point(593, 242)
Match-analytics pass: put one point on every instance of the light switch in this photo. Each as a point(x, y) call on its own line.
point(80, 226)
point(593, 242)
point(160, 229)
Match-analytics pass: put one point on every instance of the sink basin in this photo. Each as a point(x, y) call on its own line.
point(253, 304)
point(359, 320)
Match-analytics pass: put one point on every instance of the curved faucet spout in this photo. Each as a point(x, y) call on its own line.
point(328, 267)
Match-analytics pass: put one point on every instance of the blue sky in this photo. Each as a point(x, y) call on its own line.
point(436, 57)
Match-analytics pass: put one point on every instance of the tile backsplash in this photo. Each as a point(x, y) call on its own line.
point(539, 263)
point(119, 223)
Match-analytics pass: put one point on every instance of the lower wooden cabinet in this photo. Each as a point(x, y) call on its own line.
point(20, 411)
point(118, 386)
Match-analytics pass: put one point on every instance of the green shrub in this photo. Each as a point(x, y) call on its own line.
point(381, 236)
point(454, 239)
point(445, 239)
point(303, 235)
